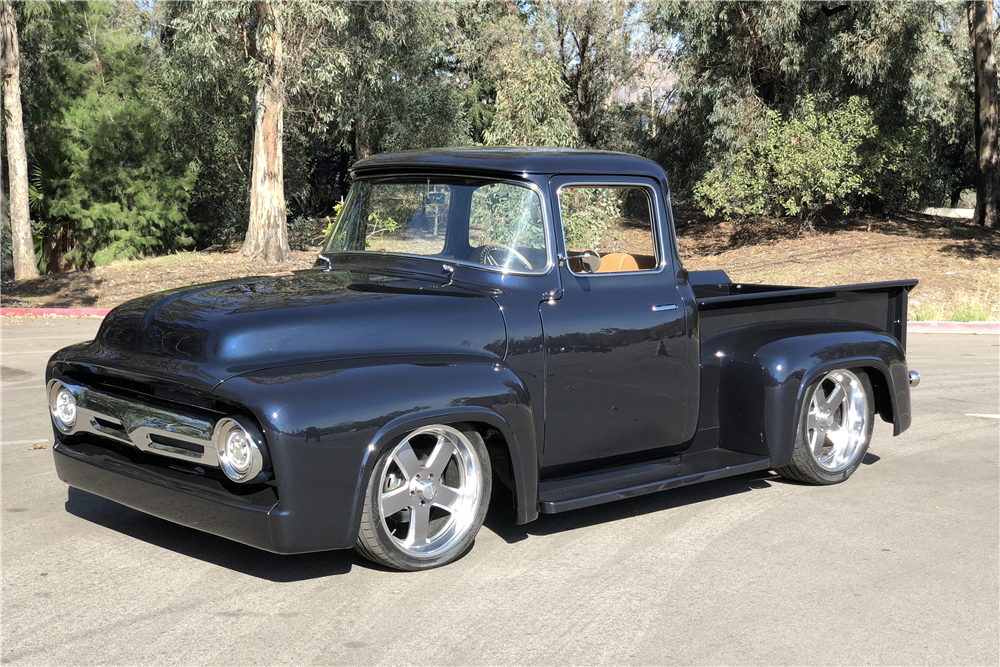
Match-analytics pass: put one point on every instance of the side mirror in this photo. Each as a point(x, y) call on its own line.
point(590, 261)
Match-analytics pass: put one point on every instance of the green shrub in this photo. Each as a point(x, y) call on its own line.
point(305, 233)
point(798, 164)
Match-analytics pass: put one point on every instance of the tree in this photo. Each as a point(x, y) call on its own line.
point(798, 164)
point(739, 62)
point(530, 110)
point(531, 94)
point(597, 43)
point(393, 92)
point(4, 218)
point(267, 234)
point(288, 57)
point(475, 52)
point(985, 68)
point(107, 179)
point(24, 254)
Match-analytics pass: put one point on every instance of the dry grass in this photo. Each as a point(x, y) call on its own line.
point(958, 265)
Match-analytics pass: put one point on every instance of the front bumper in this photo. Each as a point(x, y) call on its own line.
point(250, 514)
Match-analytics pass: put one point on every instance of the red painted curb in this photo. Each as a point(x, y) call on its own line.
point(954, 327)
point(54, 312)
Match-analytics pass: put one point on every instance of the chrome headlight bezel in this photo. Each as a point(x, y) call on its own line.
point(230, 430)
point(56, 391)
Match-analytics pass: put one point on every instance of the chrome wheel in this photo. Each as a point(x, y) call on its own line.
point(430, 491)
point(837, 422)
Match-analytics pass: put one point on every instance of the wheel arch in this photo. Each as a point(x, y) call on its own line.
point(784, 365)
point(523, 470)
point(326, 423)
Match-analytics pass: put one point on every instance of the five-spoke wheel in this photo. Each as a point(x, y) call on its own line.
point(835, 426)
point(427, 498)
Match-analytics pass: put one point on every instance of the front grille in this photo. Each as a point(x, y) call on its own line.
point(146, 424)
point(165, 443)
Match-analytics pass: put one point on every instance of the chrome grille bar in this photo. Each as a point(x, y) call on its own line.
point(132, 423)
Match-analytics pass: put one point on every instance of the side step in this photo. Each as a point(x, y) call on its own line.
point(562, 494)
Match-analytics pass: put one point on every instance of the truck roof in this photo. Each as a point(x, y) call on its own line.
point(512, 161)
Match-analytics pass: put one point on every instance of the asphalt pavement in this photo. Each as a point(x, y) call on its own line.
point(897, 566)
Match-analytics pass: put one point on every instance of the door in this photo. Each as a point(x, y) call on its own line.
point(618, 345)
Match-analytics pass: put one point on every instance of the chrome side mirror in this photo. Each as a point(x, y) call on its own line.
point(590, 261)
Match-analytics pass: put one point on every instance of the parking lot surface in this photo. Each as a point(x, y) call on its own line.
point(897, 566)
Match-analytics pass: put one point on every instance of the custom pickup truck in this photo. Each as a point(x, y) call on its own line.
point(475, 314)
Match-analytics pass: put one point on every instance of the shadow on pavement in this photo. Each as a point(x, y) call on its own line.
point(501, 516)
point(210, 548)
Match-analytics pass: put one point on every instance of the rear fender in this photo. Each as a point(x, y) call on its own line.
point(326, 425)
point(767, 370)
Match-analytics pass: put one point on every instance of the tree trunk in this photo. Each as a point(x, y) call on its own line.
point(4, 218)
point(362, 144)
point(267, 235)
point(17, 159)
point(987, 112)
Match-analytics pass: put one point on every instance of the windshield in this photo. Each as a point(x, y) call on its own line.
point(487, 223)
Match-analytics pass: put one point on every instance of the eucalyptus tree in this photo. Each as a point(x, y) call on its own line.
point(981, 32)
point(513, 51)
point(23, 247)
point(602, 47)
point(284, 56)
point(394, 92)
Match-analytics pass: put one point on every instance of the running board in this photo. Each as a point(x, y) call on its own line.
point(569, 493)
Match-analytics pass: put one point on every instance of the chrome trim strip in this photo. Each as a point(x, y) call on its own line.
point(669, 306)
point(138, 421)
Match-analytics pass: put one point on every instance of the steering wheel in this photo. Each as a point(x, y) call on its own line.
point(497, 254)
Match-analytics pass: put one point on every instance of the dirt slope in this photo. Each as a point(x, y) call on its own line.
point(958, 265)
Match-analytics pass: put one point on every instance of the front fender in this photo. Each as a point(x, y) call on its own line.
point(325, 425)
point(767, 370)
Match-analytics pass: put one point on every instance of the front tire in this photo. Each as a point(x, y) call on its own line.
point(426, 499)
point(835, 427)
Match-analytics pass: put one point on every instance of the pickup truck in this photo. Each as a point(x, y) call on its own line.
point(475, 314)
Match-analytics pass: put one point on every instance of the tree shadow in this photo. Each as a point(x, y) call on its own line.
point(210, 548)
point(960, 237)
point(76, 289)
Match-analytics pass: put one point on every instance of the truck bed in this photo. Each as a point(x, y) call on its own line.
point(725, 305)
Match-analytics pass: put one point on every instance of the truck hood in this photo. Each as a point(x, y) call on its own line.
point(205, 334)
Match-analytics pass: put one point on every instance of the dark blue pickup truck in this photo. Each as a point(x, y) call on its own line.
point(475, 314)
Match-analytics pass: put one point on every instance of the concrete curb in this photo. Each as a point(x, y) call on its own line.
point(54, 312)
point(954, 327)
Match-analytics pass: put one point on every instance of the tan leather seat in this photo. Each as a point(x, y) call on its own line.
point(616, 262)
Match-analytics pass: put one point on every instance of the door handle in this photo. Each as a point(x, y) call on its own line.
point(669, 306)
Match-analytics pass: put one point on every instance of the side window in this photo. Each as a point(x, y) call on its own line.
point(614, 221)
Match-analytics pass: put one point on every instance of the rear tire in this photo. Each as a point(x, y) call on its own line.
point(426, 499)
point(834, 428)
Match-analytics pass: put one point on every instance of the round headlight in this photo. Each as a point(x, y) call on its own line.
point(62, 403)
point(238, 452)
point(240, 455)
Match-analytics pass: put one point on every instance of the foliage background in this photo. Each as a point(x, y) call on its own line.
point(139, 115)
